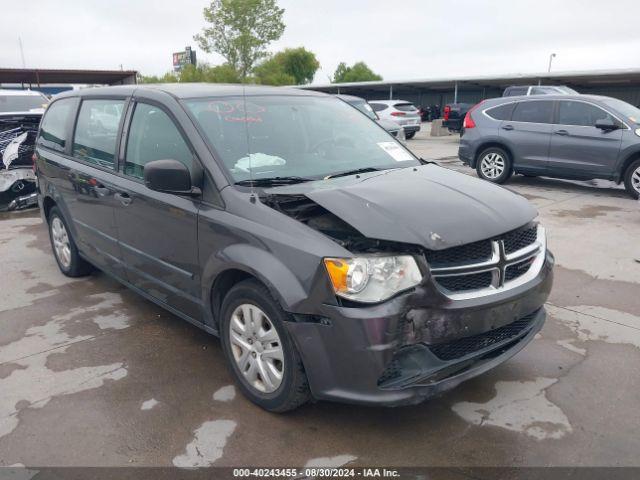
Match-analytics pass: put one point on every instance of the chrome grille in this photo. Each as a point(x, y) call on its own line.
point(482, 268)
point(469, 253)
point(461, 283)
point(514, 241)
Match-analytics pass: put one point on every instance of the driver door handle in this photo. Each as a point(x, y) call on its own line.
point(507, 127)
point(124, 198)
point(561, 132)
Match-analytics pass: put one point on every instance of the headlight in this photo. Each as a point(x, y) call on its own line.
point(638, 131)
point(372, 278)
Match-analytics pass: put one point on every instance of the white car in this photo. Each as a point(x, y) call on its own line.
point(399, 111)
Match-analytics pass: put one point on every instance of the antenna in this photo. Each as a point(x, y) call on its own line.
point(252, 197)
point(21, 52)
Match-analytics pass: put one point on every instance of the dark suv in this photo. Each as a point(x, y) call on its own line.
point(578, 137)
point(332, 263)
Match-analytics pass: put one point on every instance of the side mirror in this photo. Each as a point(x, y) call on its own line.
point(169, 176)
point(606, 125)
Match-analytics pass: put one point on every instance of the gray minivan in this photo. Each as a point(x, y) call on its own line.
point(565, 136)
point(332, 262)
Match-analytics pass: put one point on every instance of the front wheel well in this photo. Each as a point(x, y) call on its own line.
point(484, 146)
point(222, 284)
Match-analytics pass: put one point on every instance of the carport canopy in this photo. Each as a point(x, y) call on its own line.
point(38, 76)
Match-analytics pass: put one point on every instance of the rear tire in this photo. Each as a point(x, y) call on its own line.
point(410, 135)
point(494, 165)
point(252, 323)
point(632, 179)
point(64, 247)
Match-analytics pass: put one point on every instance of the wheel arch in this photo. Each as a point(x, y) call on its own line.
point(488, 144)
point(626, 163)
point(47, 204)
point(240, 262)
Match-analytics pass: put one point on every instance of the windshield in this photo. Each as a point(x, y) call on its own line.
point(21, 103)
point(631, 113)
point(294, 136)
point(365, 108)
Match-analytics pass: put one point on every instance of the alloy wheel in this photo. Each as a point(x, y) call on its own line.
point(256, 347)
point(492, 165)
point(635, 180)
point(61, 244)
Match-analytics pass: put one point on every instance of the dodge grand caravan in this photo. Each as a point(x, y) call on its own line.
point(332, 263)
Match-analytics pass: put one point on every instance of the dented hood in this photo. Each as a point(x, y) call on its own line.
point(426, 205)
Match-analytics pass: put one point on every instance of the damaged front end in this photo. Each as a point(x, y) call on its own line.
point(17, 143)
point(471, 311)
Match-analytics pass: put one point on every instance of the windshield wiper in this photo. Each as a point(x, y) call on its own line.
point(262, 182)
point(352, 172)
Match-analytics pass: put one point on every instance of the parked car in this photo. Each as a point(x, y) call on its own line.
point(453, 116)
point(565, 136)
point(332, 263)
point(403, 113)
point(520, 90)
point(361, 104)
point(20, 115)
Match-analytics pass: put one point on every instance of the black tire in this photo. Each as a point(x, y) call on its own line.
point(294, 387)
point(77, 266)
point(409, 135)
point(628, 179)
point(506, 159)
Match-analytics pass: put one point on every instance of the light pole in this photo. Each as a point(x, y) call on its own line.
point(551, 57)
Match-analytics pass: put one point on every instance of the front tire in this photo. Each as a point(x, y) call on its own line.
point(409, 135)
point(494, 165)
point(64, 247)
point(632, 179)
point(261, 354)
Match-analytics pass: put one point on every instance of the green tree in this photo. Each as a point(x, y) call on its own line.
point(358, 72)
point(168, 77)
point(240, 31)
point(271, 72)
point(299, 62)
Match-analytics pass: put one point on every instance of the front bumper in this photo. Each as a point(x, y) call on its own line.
point(384, 354)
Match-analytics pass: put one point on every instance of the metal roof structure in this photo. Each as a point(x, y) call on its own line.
point(39, 76)
point(626, 82)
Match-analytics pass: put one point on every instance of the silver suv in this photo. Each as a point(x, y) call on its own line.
point(565, 136)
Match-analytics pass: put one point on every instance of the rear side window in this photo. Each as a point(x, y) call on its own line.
point(53, 128)
point(533, 112)
point(405, 107)
point(581, 114)
point(501, 112)
point(97, 132)
point(378, 107)
point(153, 136)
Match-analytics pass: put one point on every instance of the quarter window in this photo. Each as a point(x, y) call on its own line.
point(153, 136)
point(501, 112)
point(581, 114)
point(533, 112)
point(97, 132)
point(53, 129)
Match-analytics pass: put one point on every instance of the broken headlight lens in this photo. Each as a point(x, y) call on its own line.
point(372, 279)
